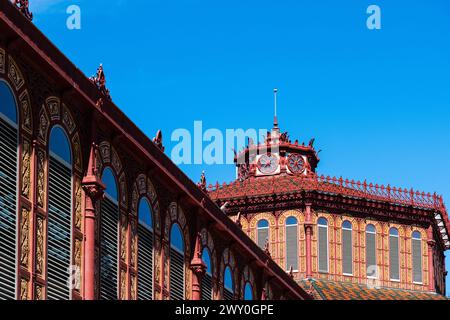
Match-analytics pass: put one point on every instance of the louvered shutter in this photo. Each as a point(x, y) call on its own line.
point(347, 254)
point(59, 229)
point(323, 249)
point(394, 265)
point(145, 263)
point(108, 249)
point(291, 247)
point(8, 209)
point(228, 294)
point(176, 274)
point(263, 235)
point(207, 287)
point(417, 260)
point(371, 257)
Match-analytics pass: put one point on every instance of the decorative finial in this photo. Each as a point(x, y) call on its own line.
point(158, 140)
point(275, 119)
point(99, 80)
point(291, 272)
point(266, 248)
point(238, 221)
point(23, 7)
point(202, 183)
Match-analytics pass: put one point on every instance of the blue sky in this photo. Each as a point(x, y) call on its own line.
point(377, 102)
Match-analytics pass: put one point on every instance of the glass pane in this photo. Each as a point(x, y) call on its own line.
point(228, 279)
point(322, 222)
point(176, 238)
point(207, 260)
point(145, 214)
point(7, 102)
point(110, 182)
point(248, 293)
point(59, 144)
point(263, 224)
point(291, 221)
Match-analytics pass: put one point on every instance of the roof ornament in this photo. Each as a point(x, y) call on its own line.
point(311, 142)
point(238, 221)
point(266, 248)
point(275, 119)
point(291, 272)
point(202, 183)
point(23, 7)
point(100, 81)
point(158, 140)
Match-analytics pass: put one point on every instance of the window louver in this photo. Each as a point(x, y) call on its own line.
point(347, 254)
point(291, 247)
point(228, 294)
point(371, 256)
point(394, 265)
point(59, 229)
point(108, 248)
point(323, 249)
point(145, 263)
point(8, 209)
point(176, 274)
point(263, 235)
point(417, 260)
point(207, 287)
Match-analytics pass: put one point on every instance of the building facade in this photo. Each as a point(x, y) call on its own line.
point(90, 208)
point(339, 238)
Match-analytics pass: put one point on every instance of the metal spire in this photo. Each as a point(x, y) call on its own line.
point(275, 121)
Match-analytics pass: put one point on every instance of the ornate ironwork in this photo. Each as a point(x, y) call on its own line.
point(23, 6)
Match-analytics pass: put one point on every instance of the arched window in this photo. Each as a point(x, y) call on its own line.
point(291, 243)
point(109, 229)
point(417, 257)
point(207, 278)
point(176, 263)
point(248, 292)
point(323, 244)
point(263, 233)
point(394, 263)
point(228, 284)
point(347, 249)
point(59, 215)
point(371, 255)
point(8, 191)
point(145, 251)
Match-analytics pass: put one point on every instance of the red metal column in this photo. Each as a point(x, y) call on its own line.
point(308, 233)
point(431, 244)
point(198, 268)
point(93, 189)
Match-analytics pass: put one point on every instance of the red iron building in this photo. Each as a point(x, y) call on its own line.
point(90, 208)
point(340, 238)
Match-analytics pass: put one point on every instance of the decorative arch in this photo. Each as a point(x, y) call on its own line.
point(228, 260)
point(175, 214)
point(143, 189)
point(272, 230)
point(300, 237)
point(12, 77)
point(248, 277)
point(208, 242)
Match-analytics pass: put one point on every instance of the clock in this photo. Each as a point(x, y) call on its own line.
point(267, 164)
point(296, 163)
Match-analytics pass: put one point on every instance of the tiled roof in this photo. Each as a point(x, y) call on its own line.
point(332, 290)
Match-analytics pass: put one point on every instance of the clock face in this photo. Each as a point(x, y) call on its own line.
point(296, 164)
point(268, 164)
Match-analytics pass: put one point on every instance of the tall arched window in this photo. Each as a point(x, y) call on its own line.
point(228, 284)
point(347, 249)
point(109, 229)
point(145, 251)
point(248, 292)
point(291, 243)
point(176, 263)
point(371, 254)
point(59, 215)
point(323, 244)
point(394, 263)
point(263, 233)
point(417, 257)
point(8, 191)
point(207, 278)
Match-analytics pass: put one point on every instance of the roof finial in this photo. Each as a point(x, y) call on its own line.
point(275, 120)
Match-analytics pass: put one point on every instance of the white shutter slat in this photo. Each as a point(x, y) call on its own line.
point(145, 263)
point(8, 210)
point(347, 254)
point(323, 249)
point(291, 247)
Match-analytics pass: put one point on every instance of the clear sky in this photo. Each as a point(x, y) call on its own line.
point(377, 101)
